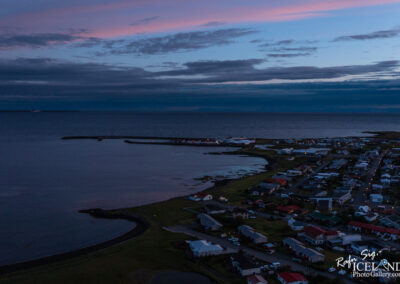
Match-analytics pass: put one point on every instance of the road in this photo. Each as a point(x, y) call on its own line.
point(277, 257)
point(360, 196)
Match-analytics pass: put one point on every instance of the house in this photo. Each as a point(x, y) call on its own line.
point(289, 209)
point(391, 221)
point(360, 246)
point(311, 151)
point(239, 141)
point(376, 198)
point(270, 247)
point(256, 279)
point(240, 213)
point(344, 240)
point(341, 197)
point(294, 173)
point(214, 209)
point(245, 265)
point(257, 191)
point(318, 236)
point(208, 222)
point(300, 250)
point(286, 151)
point(269, 187)
point(292, 278)
point(250, 233)
point(314, 235)
point(377, 186)
point(204, 248)
point(391, 233)
point(201, 197)
point(362, 210)
point(371, 216)
point(280, 181)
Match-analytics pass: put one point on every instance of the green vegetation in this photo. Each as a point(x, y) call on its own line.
point(139, 259)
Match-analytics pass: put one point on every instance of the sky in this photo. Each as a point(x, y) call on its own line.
point(186, 55)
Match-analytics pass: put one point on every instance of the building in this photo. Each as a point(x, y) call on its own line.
point(312, 151)
point(214, 209)
point(250, 233)
point(204, 248)
point(208, 222)
point(201, 197)
point(391, 221)
point(300, 250)
point(360, 246)
point(292, 278)
point(280, 181)
point(318, 236)
point(393, 234)
point(288, 209)
point(256, 279)
point(245, 265)
point(341, 197)
point(269, 187)
point(239, 141)
point(376, 198)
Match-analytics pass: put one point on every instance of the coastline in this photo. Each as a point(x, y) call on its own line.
point(154, 213)
point(142, 224)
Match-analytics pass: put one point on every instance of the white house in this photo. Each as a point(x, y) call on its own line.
point(204, 248)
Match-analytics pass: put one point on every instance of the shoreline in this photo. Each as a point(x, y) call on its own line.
point(142, 225)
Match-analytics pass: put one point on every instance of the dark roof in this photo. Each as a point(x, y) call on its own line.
point(245, 262)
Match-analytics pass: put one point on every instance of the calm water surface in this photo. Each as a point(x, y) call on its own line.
point(44, 180)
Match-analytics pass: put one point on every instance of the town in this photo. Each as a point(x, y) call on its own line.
point(325, 199)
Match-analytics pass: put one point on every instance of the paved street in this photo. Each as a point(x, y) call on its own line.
point(361, 195)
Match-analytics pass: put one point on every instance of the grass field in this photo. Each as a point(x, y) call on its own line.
point(139, 259)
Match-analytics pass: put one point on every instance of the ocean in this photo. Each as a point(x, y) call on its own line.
point(44, 180)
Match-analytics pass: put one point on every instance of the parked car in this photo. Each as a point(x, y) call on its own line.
point(275, 265)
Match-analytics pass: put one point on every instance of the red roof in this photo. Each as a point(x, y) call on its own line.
point(256, 279)
point(374, 228)
point(331, 233)
point(281, 181)
point(288, 208)
point(291, 277)
point(314, 231)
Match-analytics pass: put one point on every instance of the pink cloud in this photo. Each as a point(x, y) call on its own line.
point(114, 19)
